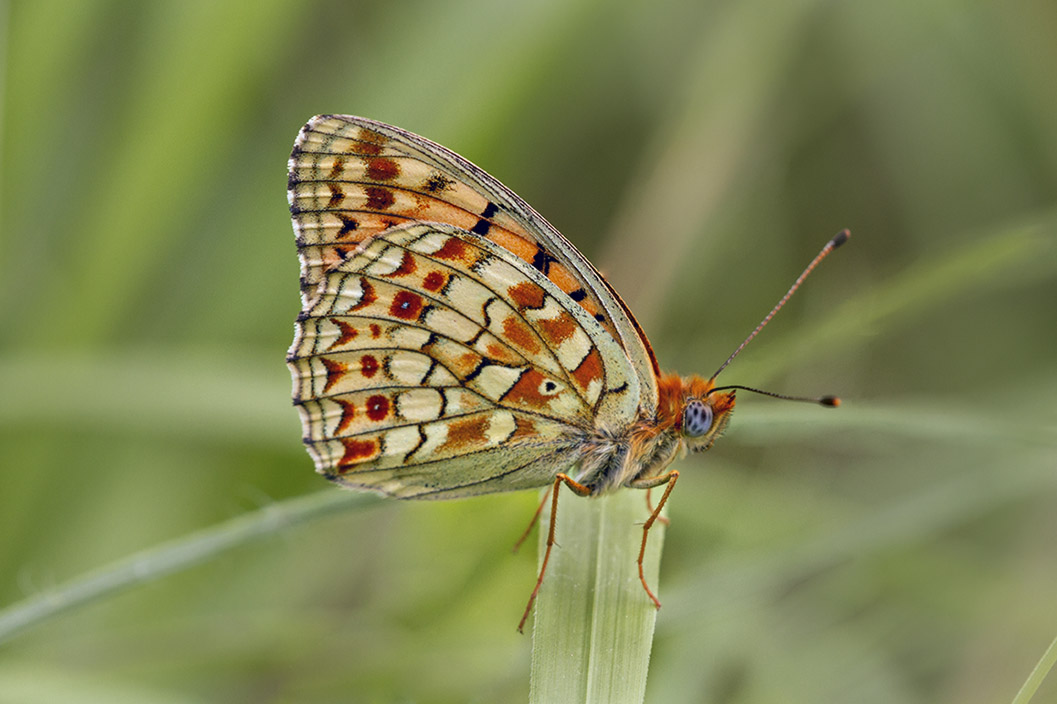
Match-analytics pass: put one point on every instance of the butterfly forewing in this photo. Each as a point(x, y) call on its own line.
point(431, 362)
point(352, 179)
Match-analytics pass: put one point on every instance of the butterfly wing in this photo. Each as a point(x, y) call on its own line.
point(351, 179)
point(432, 363)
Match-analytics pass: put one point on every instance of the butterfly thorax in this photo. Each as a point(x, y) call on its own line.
point(647, 448)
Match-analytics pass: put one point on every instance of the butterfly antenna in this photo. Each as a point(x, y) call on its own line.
point(831, 401)
point(837, 241)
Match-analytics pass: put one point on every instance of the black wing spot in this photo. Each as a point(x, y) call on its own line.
point(425, 380)
point(578, 295)
point(483, 224)
point(437, 182)
point(476, 371)
point(484, 312)
point(543, 260)
point(419, 444)
point(443, 402)
point(347, 224)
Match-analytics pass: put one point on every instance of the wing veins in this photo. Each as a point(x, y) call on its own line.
point(494, 476)
point(565, 373)
point(490, 402)
point(424, 463)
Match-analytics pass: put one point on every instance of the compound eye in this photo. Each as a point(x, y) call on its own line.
point(697, 419)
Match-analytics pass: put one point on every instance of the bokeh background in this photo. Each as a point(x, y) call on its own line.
point(900, 549)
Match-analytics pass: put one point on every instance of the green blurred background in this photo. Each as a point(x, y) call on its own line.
point(900, 549)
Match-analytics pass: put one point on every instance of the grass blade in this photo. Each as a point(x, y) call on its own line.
point(1037, 675)
point(174, 556)
point(594, 623)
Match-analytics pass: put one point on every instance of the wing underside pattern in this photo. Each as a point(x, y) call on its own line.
point(351, 179)
point(432, 363)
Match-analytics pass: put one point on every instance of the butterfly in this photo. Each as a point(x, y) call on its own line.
point(453, 343)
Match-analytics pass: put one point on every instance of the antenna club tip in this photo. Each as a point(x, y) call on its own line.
point(840, 239)
point(831, 401)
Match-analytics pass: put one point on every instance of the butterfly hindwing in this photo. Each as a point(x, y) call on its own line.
point(431, 362)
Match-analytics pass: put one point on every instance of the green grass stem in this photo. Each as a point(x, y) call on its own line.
point(594, 623)
point(1031, 685)
point(179, 554)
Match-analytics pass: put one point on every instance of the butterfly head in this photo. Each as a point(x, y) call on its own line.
point(704, 413)
point(693, 412)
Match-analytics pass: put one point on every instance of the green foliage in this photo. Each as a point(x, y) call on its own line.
point(898, 549)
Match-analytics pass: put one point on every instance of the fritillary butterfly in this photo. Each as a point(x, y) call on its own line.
point(452, 343)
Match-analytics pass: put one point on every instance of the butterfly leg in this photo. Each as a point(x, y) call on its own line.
point(535, 518)
point(668, 480)
point(649, 508)
point(578, 488)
